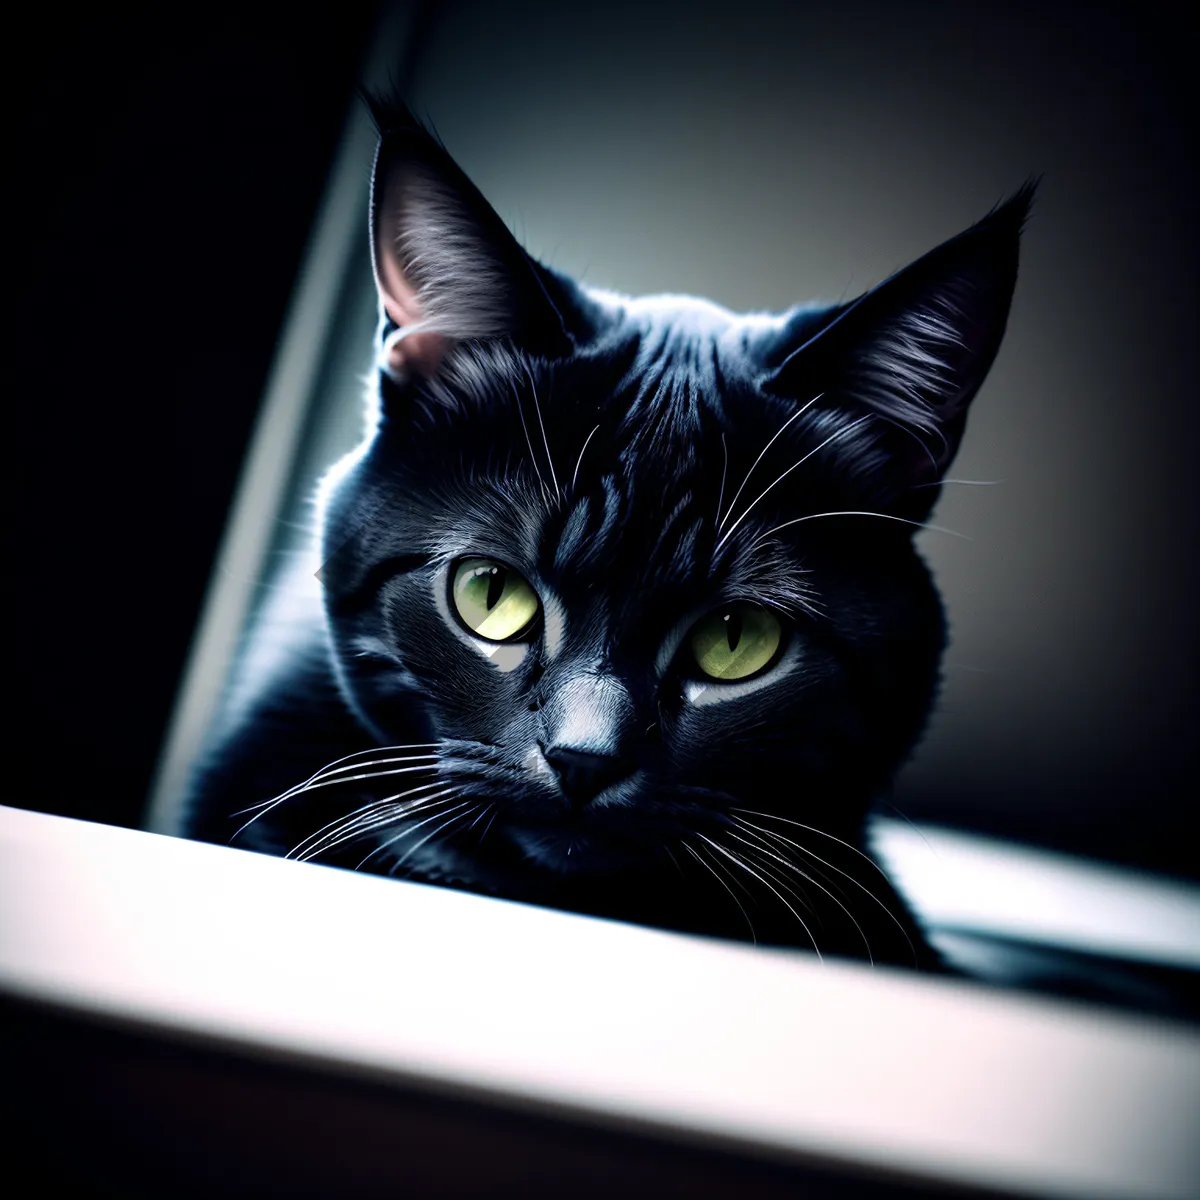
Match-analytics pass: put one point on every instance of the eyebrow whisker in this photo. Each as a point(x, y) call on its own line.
point(798, 413)
point(579, 460)
point(833, 437)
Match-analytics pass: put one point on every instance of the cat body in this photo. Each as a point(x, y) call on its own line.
point(619, 607)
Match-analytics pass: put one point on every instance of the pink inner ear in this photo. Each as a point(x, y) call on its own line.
point(420, 352)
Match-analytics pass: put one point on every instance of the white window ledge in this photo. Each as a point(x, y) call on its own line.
point(765, 1050)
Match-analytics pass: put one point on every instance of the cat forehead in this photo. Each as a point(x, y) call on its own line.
point(659, 539)
point(684, 354)
point(644, 533)
point(645, 355)
point(686, 313)
point(686, 317)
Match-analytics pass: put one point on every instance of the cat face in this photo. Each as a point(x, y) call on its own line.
point(633, 571)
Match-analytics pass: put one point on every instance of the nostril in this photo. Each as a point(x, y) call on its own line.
point(584, 775)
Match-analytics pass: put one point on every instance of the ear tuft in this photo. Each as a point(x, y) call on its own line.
point(446, 266)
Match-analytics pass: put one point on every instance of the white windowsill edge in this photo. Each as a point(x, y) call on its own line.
point(960, 881)
point(767, 1050)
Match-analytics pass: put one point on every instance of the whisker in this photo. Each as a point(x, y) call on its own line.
point(327, 779)
point(804, 874)
point(410, 829)
point(745, 867)
point(784, 845)
point(748, 825)
point(529, 443)
point(385, 814)
point(724, 472)
point(341, 823)
point(803, 898)
point(910, 432)
point(799, 412)
point(545, 441)
point(821, 833)
point(667, 850)
point(904, 816)
point(856, 513)
point(789, 886)
point(733, 878)
point(356, 830)
point(579, 460)
point(431, 834)
point(368, 773)
point(489, 824)
point(482, 813)
point(833, 437)
point(330, 767)
point(324, 783)
point(346, 819)
point(709, 869)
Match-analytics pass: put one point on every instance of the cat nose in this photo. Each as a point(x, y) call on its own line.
point(583, 775)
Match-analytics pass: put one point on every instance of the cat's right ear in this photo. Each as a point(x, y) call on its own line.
point(446, 266)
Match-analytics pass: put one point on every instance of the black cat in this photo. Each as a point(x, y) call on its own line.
point(621, 608)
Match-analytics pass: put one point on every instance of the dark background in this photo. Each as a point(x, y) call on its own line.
point(167, 173)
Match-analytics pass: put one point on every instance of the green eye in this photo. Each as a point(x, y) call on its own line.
point(492, 599)
point(736, 642)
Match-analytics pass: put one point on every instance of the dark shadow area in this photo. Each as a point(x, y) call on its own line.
point(168, 167)
point(150, 1116)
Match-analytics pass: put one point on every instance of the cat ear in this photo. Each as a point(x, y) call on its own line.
point(446, 266)
point(911, 353)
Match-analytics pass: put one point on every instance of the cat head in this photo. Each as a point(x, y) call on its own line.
point(638, 566)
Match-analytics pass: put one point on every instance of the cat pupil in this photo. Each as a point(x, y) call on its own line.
point(733, 629)
point(495, 586)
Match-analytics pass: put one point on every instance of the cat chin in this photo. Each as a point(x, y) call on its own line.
point(523, 862)
point(569, 851)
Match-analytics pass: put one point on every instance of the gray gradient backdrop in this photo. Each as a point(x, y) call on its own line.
point(768, 155)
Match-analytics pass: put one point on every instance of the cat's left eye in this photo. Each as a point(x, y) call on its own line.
point(736, 642)
point(492, 599)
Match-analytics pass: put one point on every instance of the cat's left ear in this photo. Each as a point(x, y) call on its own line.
point(911, 353)
point(446, 266)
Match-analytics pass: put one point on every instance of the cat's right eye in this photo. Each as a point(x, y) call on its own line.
point(492, 600)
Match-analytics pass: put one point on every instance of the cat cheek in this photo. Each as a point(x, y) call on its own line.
point(505, 656)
